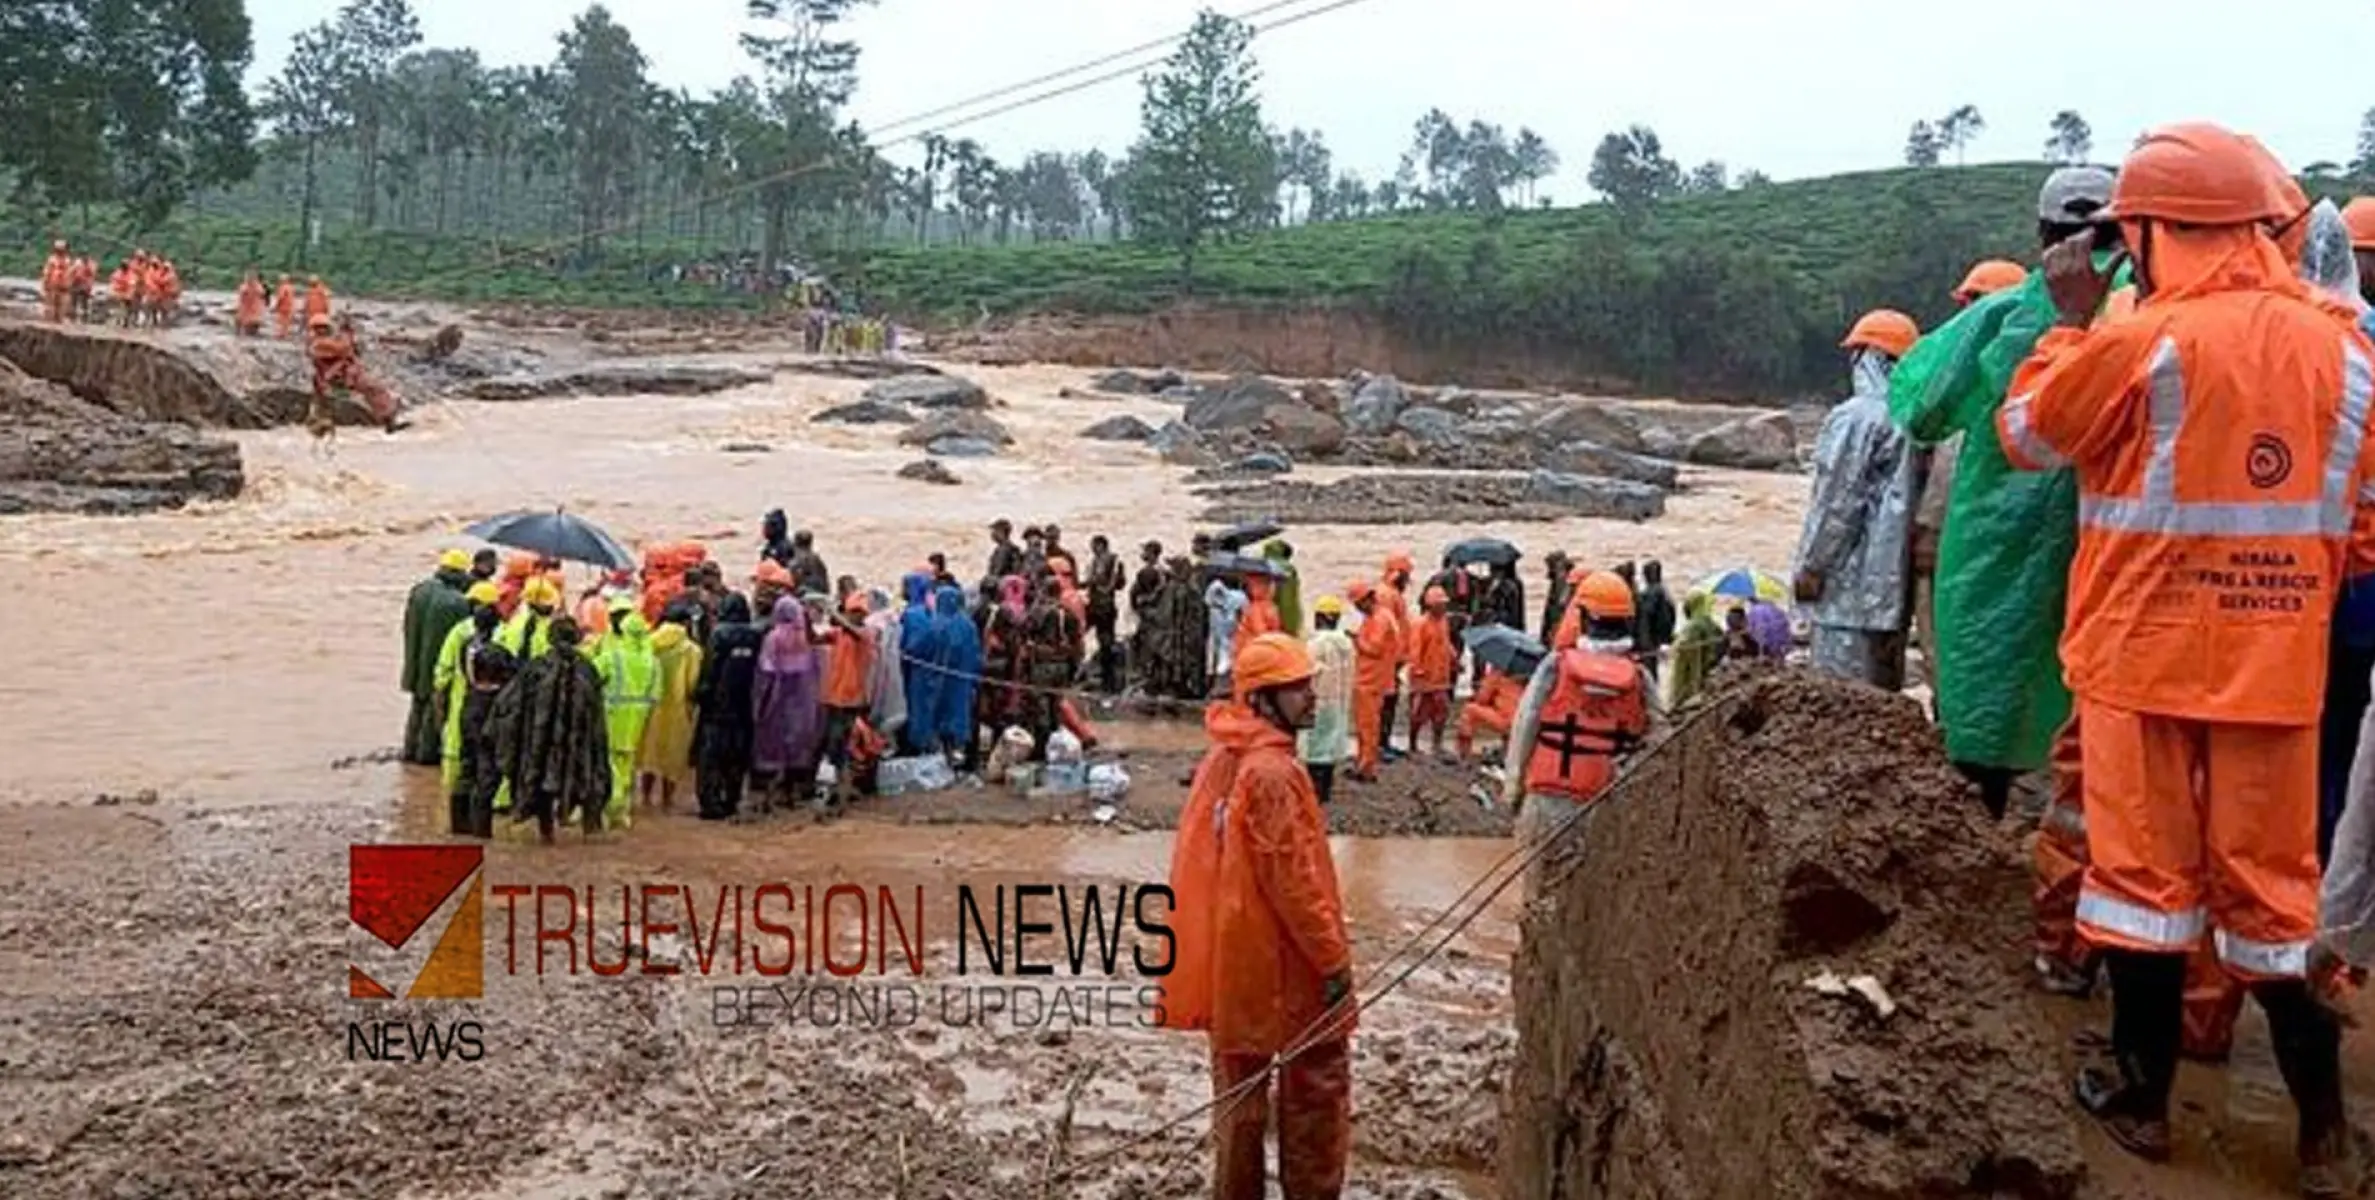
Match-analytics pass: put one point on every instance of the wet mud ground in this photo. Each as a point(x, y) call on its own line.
point(173, 924)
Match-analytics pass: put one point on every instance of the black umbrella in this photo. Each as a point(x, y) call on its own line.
point(1226, 563)
point(1487, 550)
point(1506, 650)
point(555, 534)
point(1238, 537)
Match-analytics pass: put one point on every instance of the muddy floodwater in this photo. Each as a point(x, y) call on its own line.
point(201, 716)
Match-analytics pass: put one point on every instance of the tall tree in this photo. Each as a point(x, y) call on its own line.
point(2364, 164)
point(601, 75)
point(135, 101)
point(1533, 160)
point(1050, 193)
point(1958, 129)
point(2072, 140)
point(1708, 178)
point(302, 103)
point(1923, 146)
point(811, 72)
point(1204, 163)
point(368, 38)
point(1632, 170)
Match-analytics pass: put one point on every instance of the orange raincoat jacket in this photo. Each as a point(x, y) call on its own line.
point(2234, 515)
point(284, 308)
point(1261, 610)
point(123, 284)
point(849, 668)
point(1432, 658)
point(1260, 922)
point(1376, 651)
point(250, 314)
point(317, 302)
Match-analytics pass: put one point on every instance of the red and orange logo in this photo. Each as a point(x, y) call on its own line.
point(394, 892)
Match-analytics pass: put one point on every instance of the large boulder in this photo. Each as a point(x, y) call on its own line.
point(1766, 442)
point(1376, 406)
point(1432, 426)
point(1592, 458)
point(1131, 383)
point(59, 453)
point(1255, 405)
point(652, 379)
point(1181, 446)
point(929, 470)
point(1596, 496)
point(1124, 428)
point(1589, 421)
point(930, 391)
point(866, 412)
point(1263, 463)
point(956, 423)
point(962, 447)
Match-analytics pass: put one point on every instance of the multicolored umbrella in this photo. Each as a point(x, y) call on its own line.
point(1744, 585)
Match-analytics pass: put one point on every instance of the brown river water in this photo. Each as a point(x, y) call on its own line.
point(240, 662)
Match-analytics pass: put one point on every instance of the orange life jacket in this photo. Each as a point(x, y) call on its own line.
point(1594, 709)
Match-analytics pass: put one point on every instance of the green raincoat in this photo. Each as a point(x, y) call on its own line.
point(2004, 554)
point(1288, 595)
point(630, 690)
point(453, 689)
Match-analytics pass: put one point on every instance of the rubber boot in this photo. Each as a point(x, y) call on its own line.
point(2308, 1045)
point(2147, 1027)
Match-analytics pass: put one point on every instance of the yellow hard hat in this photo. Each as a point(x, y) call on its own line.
point(454, 560)
point(484, 593)
point(1328, 606)
point(540, 591)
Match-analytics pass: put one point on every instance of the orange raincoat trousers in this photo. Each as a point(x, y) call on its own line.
point(1259, 930)
point(1494, 708)
point(2218, 437)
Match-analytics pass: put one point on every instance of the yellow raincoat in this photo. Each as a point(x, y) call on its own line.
point(668, 738)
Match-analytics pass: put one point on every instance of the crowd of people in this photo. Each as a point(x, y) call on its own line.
point(145, 287)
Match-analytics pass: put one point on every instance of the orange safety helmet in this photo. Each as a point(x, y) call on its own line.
point(1271, 660)
point(1359, 590)
point(1605, 596)
point(1883, 329)
point(2359, 216)
point(2197, 173)
point(1399, 560)
point(1989, 277)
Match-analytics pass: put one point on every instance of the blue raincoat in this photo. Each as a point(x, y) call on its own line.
point(919, 659)
point(960, 661)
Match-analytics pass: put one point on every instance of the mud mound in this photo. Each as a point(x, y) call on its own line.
point(1393, 499)
point(59, 453)
point(1669, 1043)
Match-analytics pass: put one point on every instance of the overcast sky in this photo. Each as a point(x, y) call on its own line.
point(1795, 88)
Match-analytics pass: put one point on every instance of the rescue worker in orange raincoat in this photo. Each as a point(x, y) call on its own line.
point(317, 301)
point(247, 320)
point(2218, 437)
point(1433, 662)
point(1393, 599)
point(1586, 705)
point(57, 276)
point(1261, 608)
point(1494, 707)
point(1377, 649)
point(1570, 627)
point(337, 364)
point(164, 292)
point(284, 308)
point(79, 284)
point(1987, 277)
point(1262, 963)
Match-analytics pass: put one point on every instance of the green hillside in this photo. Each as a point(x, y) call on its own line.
point(1740, 291)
